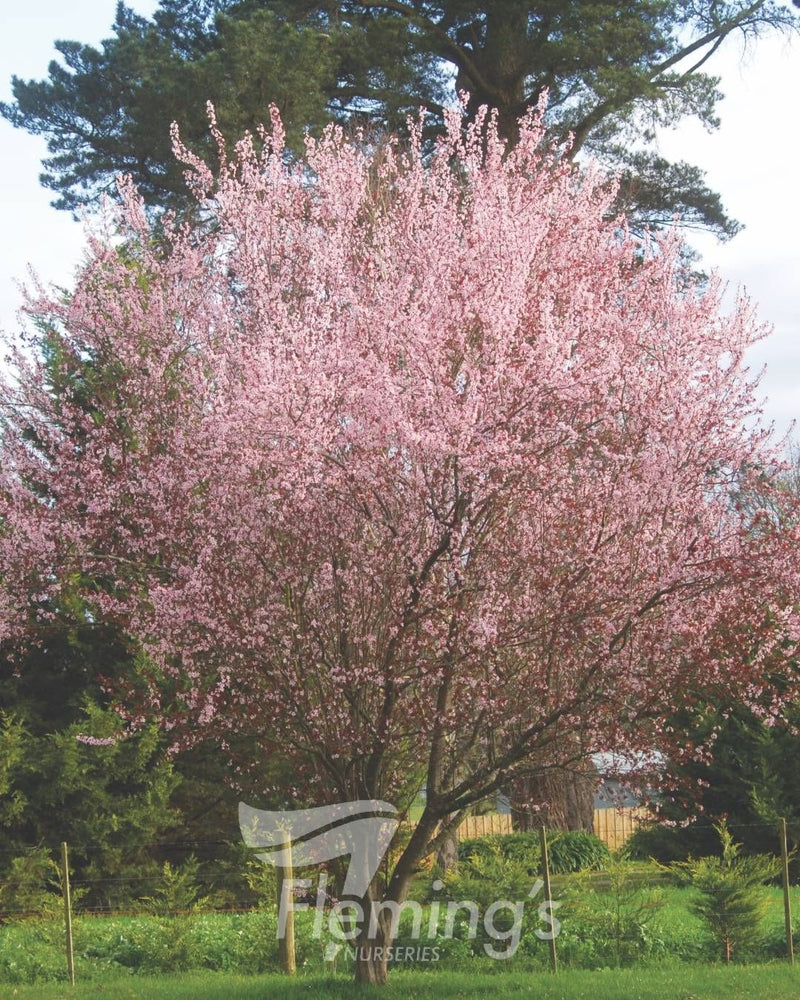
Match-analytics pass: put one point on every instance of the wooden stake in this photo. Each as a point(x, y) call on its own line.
point(67, 912)
point(787, 902)
point(286, 950)
point(548, 895)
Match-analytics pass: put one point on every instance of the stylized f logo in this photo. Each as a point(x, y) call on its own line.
point(361, 829)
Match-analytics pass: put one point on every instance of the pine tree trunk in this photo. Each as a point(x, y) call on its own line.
point(559, 799)
point(503, 63)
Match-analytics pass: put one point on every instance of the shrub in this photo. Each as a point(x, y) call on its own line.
point(664, 844)
point(614, 911)
point(568, 851)
point(577, 851)
point(30, 886)
point(522, 847)
point(177, 890)
point(491, 872)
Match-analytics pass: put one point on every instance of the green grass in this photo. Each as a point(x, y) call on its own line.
point(776, 982)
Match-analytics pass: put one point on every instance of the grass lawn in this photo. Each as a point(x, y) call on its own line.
point(772, 982)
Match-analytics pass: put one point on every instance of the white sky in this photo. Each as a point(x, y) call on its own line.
point(751, 160)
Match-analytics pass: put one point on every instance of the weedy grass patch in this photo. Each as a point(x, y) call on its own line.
point(600, 930)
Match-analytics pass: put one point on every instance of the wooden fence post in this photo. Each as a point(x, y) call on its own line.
point(286, 950)
point(67, 912)
point(548, 897)
point(787, 902)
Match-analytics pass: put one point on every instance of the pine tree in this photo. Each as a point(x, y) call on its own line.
point(613, 74)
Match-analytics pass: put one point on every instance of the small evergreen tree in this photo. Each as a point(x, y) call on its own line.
point(731, 899)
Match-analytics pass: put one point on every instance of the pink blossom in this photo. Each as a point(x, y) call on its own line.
point(405, 467)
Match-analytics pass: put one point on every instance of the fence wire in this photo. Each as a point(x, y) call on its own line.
point(624, 913)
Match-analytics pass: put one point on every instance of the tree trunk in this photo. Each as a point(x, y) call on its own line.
point(502, 62)
point(376, 936)
point(447, 854)
point(559, 799)
point(372, 956)
point(372, 966)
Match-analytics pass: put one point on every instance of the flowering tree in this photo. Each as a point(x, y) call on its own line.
point(419, 471)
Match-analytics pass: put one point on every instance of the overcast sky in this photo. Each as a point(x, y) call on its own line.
point(751, 160)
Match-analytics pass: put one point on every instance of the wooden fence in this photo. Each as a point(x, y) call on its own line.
point(614, 826)
point(488, 825)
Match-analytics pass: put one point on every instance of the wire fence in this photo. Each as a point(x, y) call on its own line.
point(212, 893)
point(176, 883)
